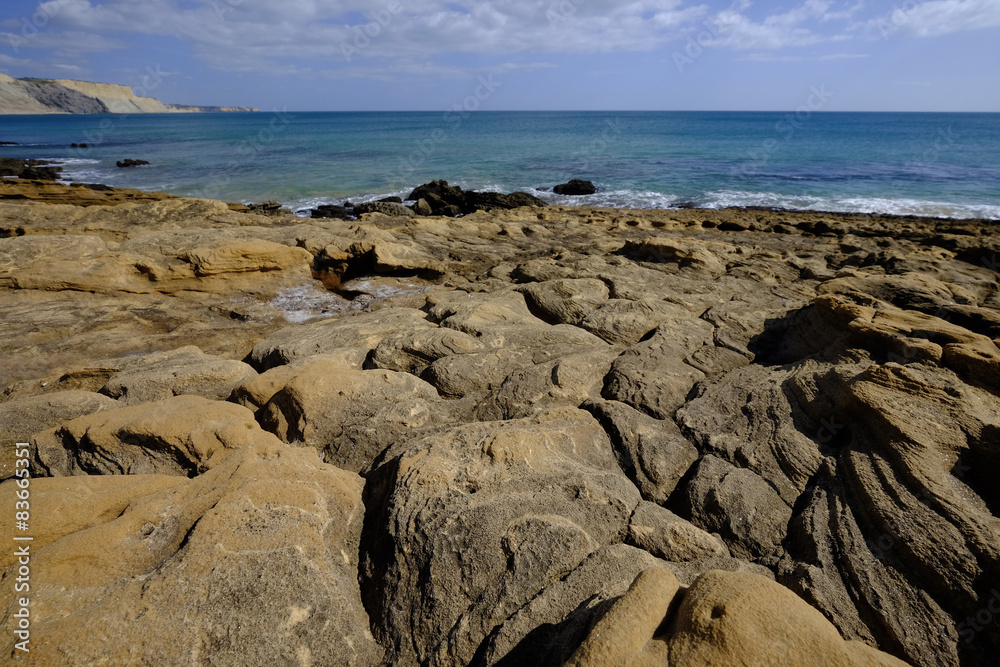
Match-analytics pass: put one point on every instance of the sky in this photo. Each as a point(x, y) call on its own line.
point(332, 55)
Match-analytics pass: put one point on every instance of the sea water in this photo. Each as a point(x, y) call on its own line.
point(930, 164)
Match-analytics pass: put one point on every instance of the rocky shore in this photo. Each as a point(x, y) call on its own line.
point(539, 435)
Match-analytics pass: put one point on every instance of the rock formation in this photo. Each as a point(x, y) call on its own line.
point(49, 96)
point(587, 436)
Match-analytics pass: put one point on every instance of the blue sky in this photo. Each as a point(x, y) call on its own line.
point(853, 55)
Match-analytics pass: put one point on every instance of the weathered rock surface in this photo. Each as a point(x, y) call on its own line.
point(569, 397)
point(723, 619)
point(186, 370)
point(185, 435)
point(252, 562)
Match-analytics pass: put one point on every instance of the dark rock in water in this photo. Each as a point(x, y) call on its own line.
point(79, 145)
point(684, 205)
point(41, 173)
point(8, 143)
point(440, 190)
point(386, 208)
point(391, 200)
point(29, 169)
point(266, 208)
point(124, 164)
point(575, 187)
point(490, 201)
point(332, 211)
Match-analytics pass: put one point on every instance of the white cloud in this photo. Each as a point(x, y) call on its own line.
point(262, 35)
point(938, 17)
point(777, 31)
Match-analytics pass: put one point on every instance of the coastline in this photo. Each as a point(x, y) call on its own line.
point(582, 420)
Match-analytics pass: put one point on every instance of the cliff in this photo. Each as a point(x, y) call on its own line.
point(55, 96)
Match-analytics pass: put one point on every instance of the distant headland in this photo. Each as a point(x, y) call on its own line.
point(66, 96)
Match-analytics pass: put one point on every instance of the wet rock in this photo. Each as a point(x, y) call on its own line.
point(129, 162)
point(575, 187)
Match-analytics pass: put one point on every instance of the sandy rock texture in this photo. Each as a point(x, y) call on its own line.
point(523, 436)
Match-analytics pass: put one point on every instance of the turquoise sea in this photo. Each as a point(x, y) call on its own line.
point(906, 163)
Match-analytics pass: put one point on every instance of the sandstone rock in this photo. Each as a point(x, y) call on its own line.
point(468, 525)
point(727, 617)
point(357, 331)
point(184, 435)
point(626, 322)
point(413, 351)
point(261, 550)
point(349, 416)
point(651, 452)
point(724, 618)
point(665, 535)
point(22, 418)
point(246, 257)
point(739, 505)
point(705, 258)
point(256, 391)
point(567, 301)
point(653, 377)
point(187, 370)
point(569, 380)
point(552, 626)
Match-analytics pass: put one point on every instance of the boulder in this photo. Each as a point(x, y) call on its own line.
point(440, 190)
point(252, 562)
point(184, 435)
point(734, 502)
point(332, 211)
point(349, 416)
point(468, 525)
point(129, 162)
point(665, 535)
point(651, 452)
point(396, 210)
point(21, 418)
point(575, 187)
point(491, 201)
point(362, 331)
point(187, 370)
point(724, 618)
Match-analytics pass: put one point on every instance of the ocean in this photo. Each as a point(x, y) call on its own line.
point(927, 164)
